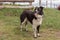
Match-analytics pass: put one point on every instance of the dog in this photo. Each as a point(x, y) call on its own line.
point(34, 17)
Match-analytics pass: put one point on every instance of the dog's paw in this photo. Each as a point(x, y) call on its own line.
point(35, 36)
point(38, 35)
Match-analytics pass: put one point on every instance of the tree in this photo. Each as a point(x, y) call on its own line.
point(51, 3)
point(39, 2)
point(46, 3)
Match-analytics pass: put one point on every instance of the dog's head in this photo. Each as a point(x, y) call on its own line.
point(39, 10)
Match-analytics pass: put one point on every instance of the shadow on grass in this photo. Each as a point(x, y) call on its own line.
point(23, 33)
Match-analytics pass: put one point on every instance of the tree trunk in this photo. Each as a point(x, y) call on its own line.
point(46, 3)
point(13, 3)
point(51, 3)
point(39, 2)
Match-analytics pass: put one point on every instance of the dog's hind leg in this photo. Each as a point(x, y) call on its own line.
point(21, 27)
point(22, 22)
point(26, 26)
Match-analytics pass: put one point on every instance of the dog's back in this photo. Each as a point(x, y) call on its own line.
point(27, 14)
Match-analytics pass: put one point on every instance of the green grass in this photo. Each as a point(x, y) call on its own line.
point(10, 25)
point(52, 18)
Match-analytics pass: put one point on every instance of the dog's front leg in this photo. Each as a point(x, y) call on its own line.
point(38, 30)
point(35, 31)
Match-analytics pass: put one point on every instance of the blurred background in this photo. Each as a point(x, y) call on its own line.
point(34, 3)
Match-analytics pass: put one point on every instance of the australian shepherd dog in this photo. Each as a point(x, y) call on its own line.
point(34, 17)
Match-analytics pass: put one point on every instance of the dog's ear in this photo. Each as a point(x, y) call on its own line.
point(35, 8)
point(41, 7)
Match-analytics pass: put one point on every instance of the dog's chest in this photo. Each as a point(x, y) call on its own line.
point(37, 21)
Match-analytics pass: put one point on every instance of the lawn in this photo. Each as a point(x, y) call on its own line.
point(10, 25)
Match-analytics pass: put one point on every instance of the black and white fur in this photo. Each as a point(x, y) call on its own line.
point(35, 18)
